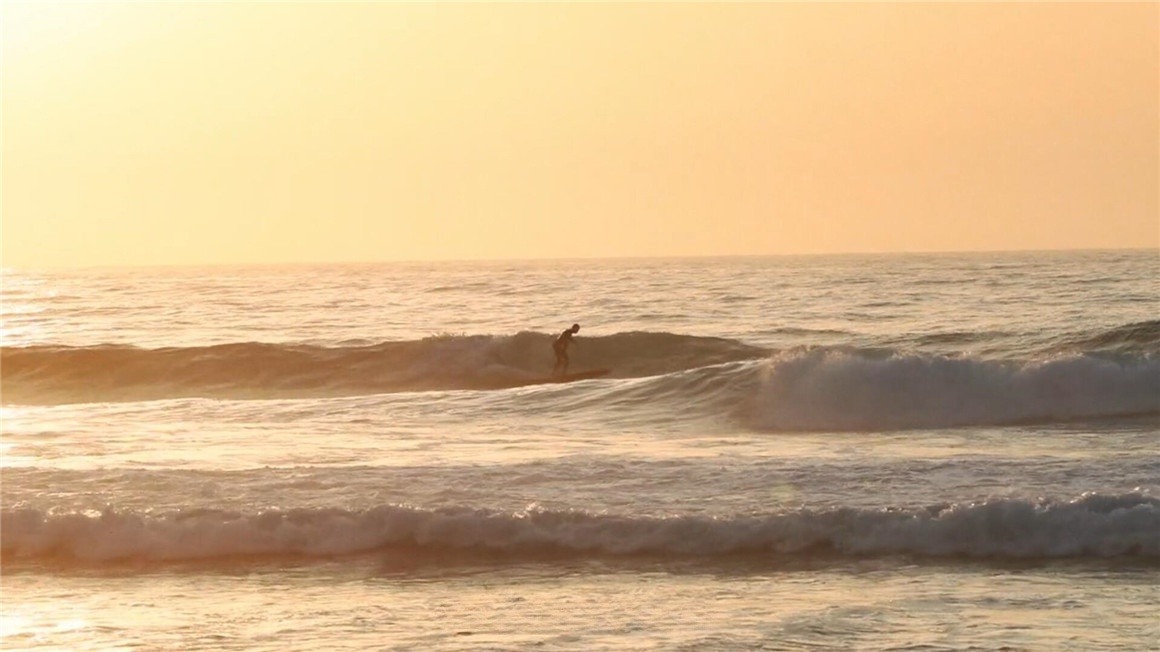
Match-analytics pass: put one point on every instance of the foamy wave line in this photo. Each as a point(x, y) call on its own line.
point(845, 389)
point(1090, 526)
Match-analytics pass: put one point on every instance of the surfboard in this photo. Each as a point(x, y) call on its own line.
point(552, 380)
point(582, 375)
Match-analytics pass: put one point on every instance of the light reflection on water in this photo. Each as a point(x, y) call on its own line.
point(569, 449)
point(864, 605)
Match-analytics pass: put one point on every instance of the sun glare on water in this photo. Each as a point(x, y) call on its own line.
point(18, 628)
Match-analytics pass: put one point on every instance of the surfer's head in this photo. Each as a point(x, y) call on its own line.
point(575, 328)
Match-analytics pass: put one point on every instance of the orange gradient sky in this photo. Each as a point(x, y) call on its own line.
point(159, 133)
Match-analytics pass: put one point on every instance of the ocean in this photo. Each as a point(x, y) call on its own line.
point(871, 452)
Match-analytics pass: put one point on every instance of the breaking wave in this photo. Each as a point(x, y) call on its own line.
point(1093, 525)
point(847, 389)
point(658, 377)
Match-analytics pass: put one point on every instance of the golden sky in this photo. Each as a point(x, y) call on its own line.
point(255, 133)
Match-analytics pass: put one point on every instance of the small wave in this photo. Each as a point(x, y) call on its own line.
point(60, 374)
point(1136, 338)
point(1094, 525)
point(850, 390)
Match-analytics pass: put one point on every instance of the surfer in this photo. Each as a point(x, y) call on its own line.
point(560, 347)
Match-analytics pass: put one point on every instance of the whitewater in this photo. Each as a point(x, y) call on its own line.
point(951, 451)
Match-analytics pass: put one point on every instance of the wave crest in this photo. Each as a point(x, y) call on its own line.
point(1135, 338)
point(1093, 525)
point(847, 389)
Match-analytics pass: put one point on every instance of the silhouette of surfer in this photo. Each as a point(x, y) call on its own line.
point(560, 347)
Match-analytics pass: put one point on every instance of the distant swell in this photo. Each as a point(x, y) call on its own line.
point(1102, 526)
point(60, 374)
point(844, 389)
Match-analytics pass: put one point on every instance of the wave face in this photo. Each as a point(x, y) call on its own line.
point(1129, 339)
point(676, 377)
point(849, 390)
point(1098, 526)
point(58, 374)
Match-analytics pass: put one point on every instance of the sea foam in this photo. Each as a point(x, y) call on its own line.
point(847, 389)
point(1092, 525)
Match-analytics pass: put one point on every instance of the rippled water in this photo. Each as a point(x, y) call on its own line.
point(867, 452)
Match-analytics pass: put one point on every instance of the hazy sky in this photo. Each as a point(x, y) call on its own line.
point(243, 132)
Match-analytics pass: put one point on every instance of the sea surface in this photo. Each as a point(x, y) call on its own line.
point(919, 452)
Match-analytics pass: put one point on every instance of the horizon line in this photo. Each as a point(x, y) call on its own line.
point(545, 259)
